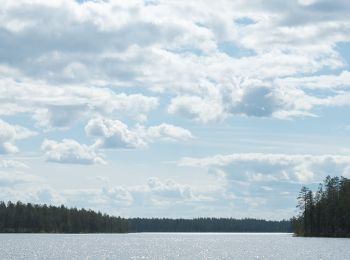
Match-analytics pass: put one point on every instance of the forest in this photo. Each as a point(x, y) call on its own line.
point(208, 225)
point(30, 218)
point(325, 212)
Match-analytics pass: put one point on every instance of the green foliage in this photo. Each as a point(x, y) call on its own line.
point(325, 213)
point(29, 218)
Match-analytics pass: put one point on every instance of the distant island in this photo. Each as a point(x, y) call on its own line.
point(208, 225)
point(31, 218)
point(325, 213)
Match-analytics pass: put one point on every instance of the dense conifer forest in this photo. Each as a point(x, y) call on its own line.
point(208, 225)
point(22, 218)
point(19, 217)
point(325, 212)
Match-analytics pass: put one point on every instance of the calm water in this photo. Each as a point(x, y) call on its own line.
point(171, 246)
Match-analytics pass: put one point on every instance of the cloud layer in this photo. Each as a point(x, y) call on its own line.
point(255, 167)
point(197, 56)
point(70, 151)
point(84, 81)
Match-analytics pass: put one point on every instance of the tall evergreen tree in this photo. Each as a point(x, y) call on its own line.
point(325, 213)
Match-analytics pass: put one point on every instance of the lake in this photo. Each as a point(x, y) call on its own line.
point(171, 246)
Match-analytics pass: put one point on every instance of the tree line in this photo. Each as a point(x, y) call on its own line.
point(28, 218)
point(32, 218)
point(207, 225)
point(325, 212)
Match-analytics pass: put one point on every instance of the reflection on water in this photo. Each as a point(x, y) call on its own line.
point(171, 246)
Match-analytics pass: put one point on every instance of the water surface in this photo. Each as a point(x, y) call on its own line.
point(171, 246)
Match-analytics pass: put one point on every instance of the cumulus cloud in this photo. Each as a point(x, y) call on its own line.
point(259, 102)
point(55, 106)
point(169, 189)
point(194, 107)
point(247, 99)
point(93, 62)
point(255, 167)
point(70, 152)
point(87, 31)
point(156, 194)
point(113, 134)
point(157, 197)
point(326, 82)
point(259, 182)
point(9, 134)
point(168, 132)
point(34, 192)
point(116, 134)
point(163, 48)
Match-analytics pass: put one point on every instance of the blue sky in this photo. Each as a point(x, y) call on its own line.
point(173, 108)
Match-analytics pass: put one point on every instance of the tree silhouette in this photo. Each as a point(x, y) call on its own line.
point(325, 213)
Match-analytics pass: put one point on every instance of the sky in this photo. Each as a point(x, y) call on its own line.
point(164, 108)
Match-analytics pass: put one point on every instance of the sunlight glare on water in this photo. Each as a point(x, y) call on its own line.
point(171, 246)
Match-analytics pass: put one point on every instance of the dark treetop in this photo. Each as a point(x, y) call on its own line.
point(326, 212)
point(207, 225)
point(21, 217)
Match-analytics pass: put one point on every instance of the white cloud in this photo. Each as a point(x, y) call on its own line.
point(259, 182)
point(65, 64)
point(255, 167)
point(248, 98)
point(168, 132)
point(169, 189)
point(9, 134)
point(12, 164)
point(35, 192)
point(164, 48)
point(113, 134)
point(156, 194)
point(55, 106)
point(116, 134)
point(70, 152)
point(326, 82)
point(194, 107)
